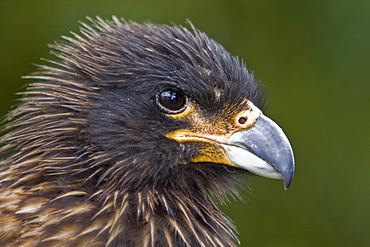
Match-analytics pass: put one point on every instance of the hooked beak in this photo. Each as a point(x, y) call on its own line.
point(263, 150)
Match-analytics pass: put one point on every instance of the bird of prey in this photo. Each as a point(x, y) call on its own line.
point(130, 137)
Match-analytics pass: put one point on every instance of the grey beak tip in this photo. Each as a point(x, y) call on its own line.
point(287, 182)
point(288, 174)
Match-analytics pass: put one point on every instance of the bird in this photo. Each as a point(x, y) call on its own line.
point(132, 136)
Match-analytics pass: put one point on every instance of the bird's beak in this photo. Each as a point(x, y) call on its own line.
point(263, 150)
point(258, 145)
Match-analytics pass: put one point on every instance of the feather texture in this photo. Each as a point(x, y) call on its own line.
point(86, 161)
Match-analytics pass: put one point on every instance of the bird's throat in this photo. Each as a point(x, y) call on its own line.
point(193, 219)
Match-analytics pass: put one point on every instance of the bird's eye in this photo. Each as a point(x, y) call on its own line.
point(172, 101)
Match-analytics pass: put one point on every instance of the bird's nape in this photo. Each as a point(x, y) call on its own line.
point(126, 140)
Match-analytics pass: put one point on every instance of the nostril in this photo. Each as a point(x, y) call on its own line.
point(242, 120)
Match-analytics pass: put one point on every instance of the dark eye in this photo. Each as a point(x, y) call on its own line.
point(172, 101)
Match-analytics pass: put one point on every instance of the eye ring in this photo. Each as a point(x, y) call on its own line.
point(172, 101)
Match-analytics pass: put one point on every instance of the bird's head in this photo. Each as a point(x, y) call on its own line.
point(131, 103)
point(176, 98)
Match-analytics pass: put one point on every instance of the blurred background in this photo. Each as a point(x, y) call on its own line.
point(313, 58)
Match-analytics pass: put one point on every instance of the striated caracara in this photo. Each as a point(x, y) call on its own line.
point(128, 138)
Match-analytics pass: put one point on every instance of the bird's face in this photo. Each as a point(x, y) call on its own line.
point(196, 115)
point(148, 100)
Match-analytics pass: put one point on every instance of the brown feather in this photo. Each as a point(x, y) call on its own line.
point(86, 162)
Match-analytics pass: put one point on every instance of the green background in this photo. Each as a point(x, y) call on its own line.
point(313, 58)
